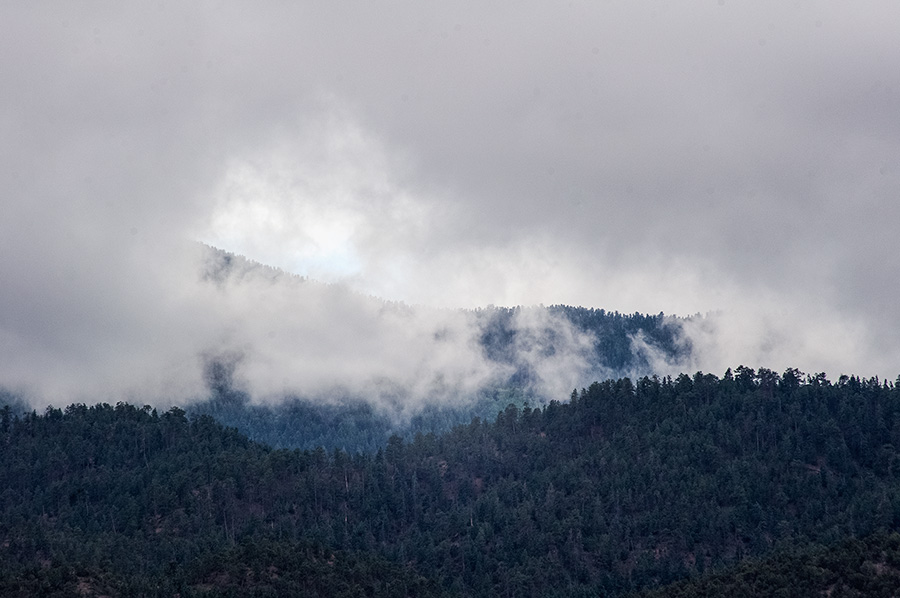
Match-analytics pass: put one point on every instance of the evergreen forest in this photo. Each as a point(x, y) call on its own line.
point(687, 486)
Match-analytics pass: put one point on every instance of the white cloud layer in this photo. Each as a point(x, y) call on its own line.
point(735, 158)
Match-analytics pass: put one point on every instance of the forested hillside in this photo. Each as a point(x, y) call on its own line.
point(627, 485)
point(611, 336)
point(353, 424)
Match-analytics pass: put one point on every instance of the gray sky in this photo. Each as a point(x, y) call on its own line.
point(727, 157)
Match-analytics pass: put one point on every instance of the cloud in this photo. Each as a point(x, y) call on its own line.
point(719, 157)
point(293, 336)
point(557, 354)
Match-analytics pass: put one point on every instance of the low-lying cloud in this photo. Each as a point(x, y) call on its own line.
point(299, 337)
point(724, 159)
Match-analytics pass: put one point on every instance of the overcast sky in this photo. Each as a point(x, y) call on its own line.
point(712, 156)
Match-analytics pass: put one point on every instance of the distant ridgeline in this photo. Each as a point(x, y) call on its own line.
point(616, 345)
point(14, 402)
point(608, 344)
point(352, 424)
point(612, 335)
point(628, 486)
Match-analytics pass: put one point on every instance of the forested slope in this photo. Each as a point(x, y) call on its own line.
point(627, 485)
point(351, 423)
point(515, 344)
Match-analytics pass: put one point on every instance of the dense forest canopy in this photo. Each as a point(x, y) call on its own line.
point(629, 484)
point(853, 568)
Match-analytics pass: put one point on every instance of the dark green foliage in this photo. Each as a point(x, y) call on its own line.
point(613, 335)
point(271, 568)
point(629, 485)
point(868, 568)
point(353, 426)
point(123, 500)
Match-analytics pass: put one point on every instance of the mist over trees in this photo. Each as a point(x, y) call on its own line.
point(531, 345)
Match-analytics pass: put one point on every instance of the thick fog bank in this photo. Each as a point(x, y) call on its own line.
point(731, 159)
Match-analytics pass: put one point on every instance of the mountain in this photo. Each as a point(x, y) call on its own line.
point(627, 486)
point(448, 367)
point(529, 346)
